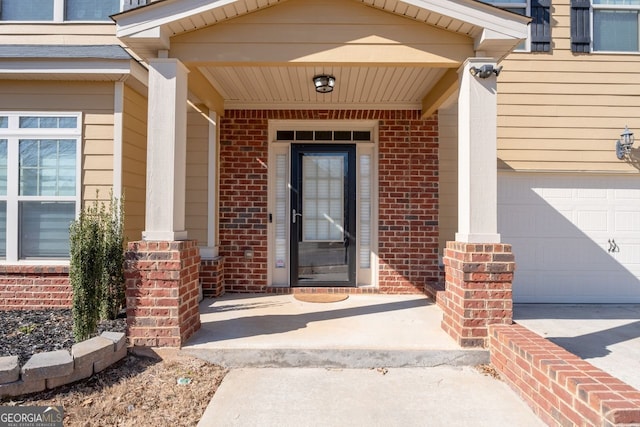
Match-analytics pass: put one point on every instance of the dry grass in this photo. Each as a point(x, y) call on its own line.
point(138, 391)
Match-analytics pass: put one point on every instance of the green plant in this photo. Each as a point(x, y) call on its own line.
point(27, 329)
point(85, 270)
point(113, 260)
point(96, 270)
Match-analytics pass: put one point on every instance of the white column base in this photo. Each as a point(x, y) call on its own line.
point(209, 252)
point(478, 237)
point(164, 236)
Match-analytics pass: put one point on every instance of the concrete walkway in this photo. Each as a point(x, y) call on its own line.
point(605, 335)
point(404, 397)
point(371, 360)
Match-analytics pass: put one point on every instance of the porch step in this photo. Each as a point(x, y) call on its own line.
point(338, 358)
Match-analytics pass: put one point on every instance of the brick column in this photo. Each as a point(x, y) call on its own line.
point(212, 277)
point(162, 288)
point(478, 280)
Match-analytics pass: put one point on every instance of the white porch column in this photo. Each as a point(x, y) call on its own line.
point(477, 174)
point(211, 250)
point(166, 151)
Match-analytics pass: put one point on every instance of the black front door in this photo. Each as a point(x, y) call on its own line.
point(323, 215)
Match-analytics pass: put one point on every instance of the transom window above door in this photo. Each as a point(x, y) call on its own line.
point(323, 135)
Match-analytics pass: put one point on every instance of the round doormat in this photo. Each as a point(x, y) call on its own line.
point(321, 297)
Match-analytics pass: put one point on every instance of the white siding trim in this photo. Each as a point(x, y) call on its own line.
point(118, 108)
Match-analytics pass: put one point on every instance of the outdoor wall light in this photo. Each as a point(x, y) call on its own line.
point(485, 71)
point(624, 144)
point(324, 83)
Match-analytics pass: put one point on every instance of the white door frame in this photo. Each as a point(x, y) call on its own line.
point(280, 157)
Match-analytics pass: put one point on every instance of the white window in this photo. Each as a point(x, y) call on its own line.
point(521, 7)
point(59, 10)
point(615, 25)
point(39, 184)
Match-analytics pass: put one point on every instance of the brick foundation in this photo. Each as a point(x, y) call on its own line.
point(29, 287)
point(212, 277)
point(162, 288)
point(561, 388)
point(477, 290)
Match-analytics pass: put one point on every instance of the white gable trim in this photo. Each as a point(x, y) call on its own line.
point(489, 23)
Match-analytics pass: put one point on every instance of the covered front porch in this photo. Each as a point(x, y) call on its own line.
point(362, 331)
point(239, 138)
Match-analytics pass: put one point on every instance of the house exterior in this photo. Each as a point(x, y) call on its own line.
point(416, 162)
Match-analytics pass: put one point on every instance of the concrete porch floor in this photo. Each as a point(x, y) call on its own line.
point(363, 331)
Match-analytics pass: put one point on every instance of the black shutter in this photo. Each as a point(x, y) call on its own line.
point(130, 4)
point(580, 26)
point(540, 25)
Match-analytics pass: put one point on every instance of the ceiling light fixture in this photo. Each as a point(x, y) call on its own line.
point(324, 83)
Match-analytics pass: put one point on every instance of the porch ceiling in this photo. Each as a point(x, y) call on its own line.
point(292, 86)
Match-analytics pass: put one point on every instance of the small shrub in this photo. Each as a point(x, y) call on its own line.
point(85, 271)
point(96, 270)
point(113, 261)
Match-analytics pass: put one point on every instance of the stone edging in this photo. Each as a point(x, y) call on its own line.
point(55, 368)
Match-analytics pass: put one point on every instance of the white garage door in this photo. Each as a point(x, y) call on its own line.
point(575, 238)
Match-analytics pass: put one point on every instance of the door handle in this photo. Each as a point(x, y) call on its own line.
point(295, 214)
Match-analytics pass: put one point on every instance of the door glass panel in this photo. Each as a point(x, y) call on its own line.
point(281, 211)
point(365, 211)
point(323, 198)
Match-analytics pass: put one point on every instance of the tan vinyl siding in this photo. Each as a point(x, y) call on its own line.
point(196, 197)
point(58, 34)
point(448, 174)
point(561, 111)
point(342, 31)
point(134, 162)
point(95, 101)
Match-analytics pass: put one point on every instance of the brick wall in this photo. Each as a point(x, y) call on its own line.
point(561, 388)
point(34, 287)
point(408, 202)
point(408, 195)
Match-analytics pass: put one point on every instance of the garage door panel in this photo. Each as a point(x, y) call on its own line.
point(515, 220)
point(629, 193)
point(627, 220)
point(628, 254)
point(562, 255)
point(559, 194)
point(566, 249)
point(529, 249)
point(591, 194)
point(524, 293)
point(590, 221)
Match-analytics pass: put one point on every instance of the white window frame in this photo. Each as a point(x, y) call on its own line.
point(527, 11)
point(13, 134)
point(594, 8)
point(58, 15)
